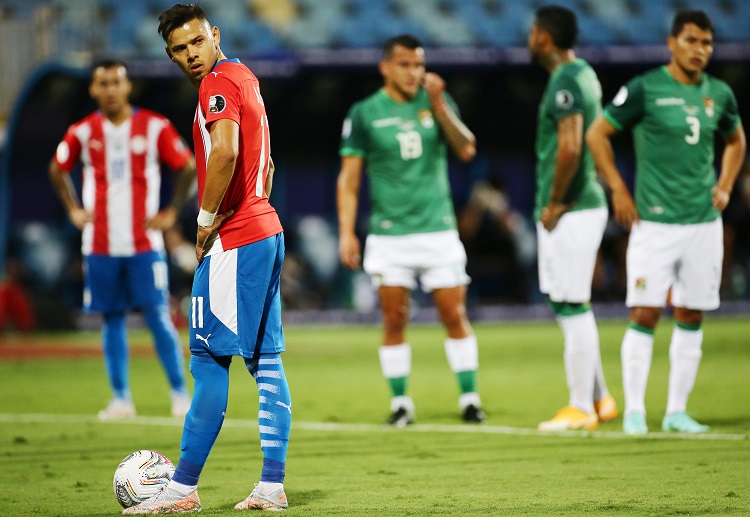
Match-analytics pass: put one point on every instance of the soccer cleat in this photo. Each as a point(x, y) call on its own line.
point(571, 419)
point(401, 418)
point(606, 408)
point(473, 414)
point(682, 423)
point(163, 502)
point(117, 409)
point(180, 404)
point(634, 424)
point(258, 500)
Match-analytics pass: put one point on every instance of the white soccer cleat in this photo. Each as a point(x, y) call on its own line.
point(163, 503)
point(118, 409)
point(180, 404)
point(259, 500)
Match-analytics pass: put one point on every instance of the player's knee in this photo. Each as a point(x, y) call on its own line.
point(688, 316)
point(647, 317)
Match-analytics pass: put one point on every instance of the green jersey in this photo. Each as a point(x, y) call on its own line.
point(406, 161)
point(572, 88)
point(674, 126)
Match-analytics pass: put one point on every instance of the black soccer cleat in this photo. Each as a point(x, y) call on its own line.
point(401, 418)
point(473, 415)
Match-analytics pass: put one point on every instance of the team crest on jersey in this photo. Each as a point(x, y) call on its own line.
point(216, 104)
point(425, 118)
point(138, 145)
point(640, 284)
point(708, 106)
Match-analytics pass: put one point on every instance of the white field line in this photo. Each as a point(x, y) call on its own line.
point(54, 418)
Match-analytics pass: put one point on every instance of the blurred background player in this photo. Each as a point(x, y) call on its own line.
point(120, 147)
point(400, 133)
point(675, 226)
point(571, 213)
point(236, 305)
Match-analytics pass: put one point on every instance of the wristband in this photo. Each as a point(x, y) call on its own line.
point(205, 218)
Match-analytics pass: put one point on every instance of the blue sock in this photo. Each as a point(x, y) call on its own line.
point(203, 421)
point(167, 343)
point(116, 360)
point(274, 414)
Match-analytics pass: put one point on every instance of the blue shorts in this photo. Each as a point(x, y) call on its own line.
point(236, 304)
point(116, 284)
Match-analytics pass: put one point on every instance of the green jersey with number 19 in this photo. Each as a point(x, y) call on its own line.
point(572, 88)
point(674, 126)
point(406, 162)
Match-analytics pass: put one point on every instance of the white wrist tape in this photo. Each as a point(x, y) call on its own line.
point(205, 218)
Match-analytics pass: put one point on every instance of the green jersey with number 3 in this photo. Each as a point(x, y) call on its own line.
point(406, 162)
point(674, 126)
point(573, 88)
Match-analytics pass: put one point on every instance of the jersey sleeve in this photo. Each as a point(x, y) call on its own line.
point(353, 133)
point(68, 151)
point(566, 98)
point(730, 116)
point(628, 106)
point(172, 148)
point(222, 99)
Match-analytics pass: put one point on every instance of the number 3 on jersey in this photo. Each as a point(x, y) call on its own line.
point(695, 129)
point(411, 144)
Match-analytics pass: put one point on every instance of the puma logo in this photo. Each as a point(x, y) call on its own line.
point(289, 407)
point(204, 339)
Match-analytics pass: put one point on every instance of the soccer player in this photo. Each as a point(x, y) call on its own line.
point(120, 147)
point(675, 111)
point(400, 134)
point(571, 213)
point(236, 305)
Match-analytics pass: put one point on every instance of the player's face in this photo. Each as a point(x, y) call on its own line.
point(195, 48)
point(534, 43)
point(404, 71)
point(692, 48)
point(110, 88)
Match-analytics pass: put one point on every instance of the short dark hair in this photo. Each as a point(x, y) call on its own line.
point(699, 18)
point(178, 15)
point(402, 40)
point(108, 63)
point(560, 23)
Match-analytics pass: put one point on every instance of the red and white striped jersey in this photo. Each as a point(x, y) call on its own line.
point(231, 91)
point(121, 177)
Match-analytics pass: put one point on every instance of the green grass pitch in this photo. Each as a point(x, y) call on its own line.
point(58, 460)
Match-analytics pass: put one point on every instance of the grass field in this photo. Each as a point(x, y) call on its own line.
point(58, 460)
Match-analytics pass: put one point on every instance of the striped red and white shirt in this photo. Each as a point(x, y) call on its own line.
point(121, 177)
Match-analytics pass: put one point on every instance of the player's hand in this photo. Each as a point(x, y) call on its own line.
point(204, 232)
point(719, 198)
point(163, 220)
point(79, 217)
point(434, 84)
point(349, 251)
point(624, 207)
point(552, 213)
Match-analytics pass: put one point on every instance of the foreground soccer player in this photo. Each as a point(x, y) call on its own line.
point(120, 147)
point(400, 135)
point(236, 306)
point(571, 214)
point(676, 233)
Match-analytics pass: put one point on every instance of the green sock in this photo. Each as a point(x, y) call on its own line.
point(467, 381)
point(398, 385)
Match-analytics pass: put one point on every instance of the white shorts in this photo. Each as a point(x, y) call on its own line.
point(567, 255)
point(685, 257)
point(436, 259)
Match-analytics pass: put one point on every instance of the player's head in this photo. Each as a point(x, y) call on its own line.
point(191, 41)
point(403, 66)
point(691, 41)
point(110, 86)
point(553, 27)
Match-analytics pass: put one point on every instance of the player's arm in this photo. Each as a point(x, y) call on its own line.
point(68, 197)
point(459, 137)
point(269, 179)
point(167, 217)
point(731, 162)
point(569, 145)
point(347, 197)
point(599, 140)
point(225, 146)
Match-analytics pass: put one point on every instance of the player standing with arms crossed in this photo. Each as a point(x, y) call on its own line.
point(675, 224)
point(400, 135)
point(236, 305)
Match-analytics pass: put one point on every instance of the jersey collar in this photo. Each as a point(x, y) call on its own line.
point(232, 60)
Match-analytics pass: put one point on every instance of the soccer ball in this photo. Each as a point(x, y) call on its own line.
point(141, 475)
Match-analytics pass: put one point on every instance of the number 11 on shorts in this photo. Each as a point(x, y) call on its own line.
point(197, 306)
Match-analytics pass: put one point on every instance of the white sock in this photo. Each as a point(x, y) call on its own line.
point(267, 487)
point(395, 360)
point(684, 358)
point(636, 352)
point(181, 490)
point(581, 346)
point(600, 385)
point(462, 353)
